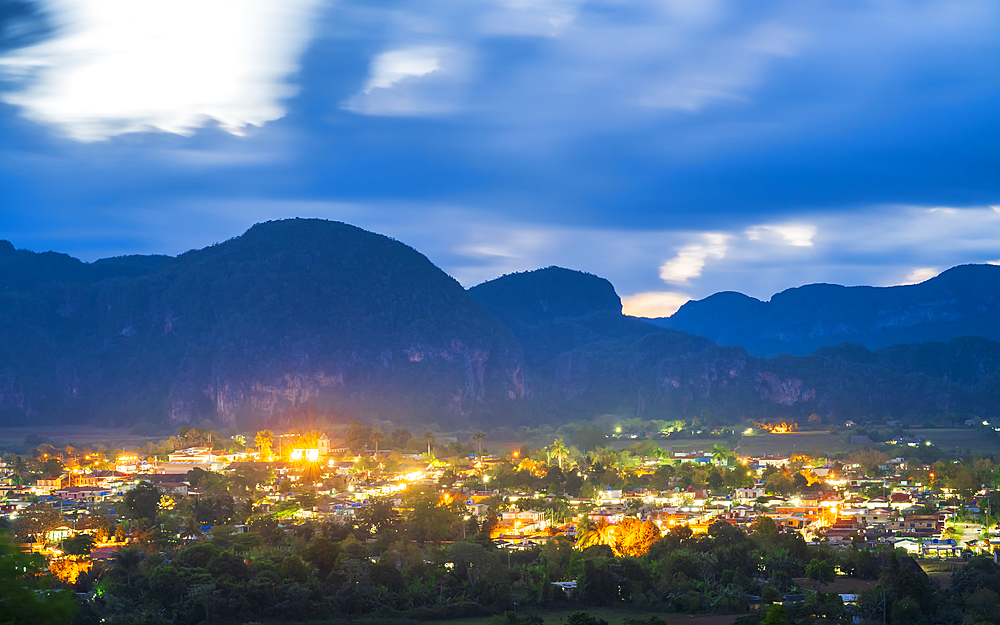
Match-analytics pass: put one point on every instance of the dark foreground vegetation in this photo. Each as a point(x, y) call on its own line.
point(325, 573)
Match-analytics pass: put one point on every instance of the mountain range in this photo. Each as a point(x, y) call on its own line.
point(309, 316)
point(963, 301)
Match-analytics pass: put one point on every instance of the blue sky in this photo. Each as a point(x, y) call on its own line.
point(677, 148)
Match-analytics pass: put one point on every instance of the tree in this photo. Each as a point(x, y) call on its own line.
point(634, 537)
point(764, 530)
point(191, 529)
point(722, 454)
point(377, 437)
point(20, 467)
point(78, 545)
point(143, 502)
point(36, 520)
point(265, 443)
point(821, 572)
point(599, 532)
point(22, 601)
point(869, 459)
point(429, 438)
point(479, 437)
point(559, 451)
point(379, 517)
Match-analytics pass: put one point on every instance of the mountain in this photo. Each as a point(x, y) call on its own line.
point(303, 317)
point(554, 310)
point(963, 301)
point(587, 359)
point(289, 313)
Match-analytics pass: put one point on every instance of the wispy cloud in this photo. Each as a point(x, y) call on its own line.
point(797, 235)
point(690, 259)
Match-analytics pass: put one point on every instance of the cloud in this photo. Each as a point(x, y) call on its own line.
point(920, 275)
point(118, 66)
point(796, 235)
point(389, 68)
point(423, 80)
point(690, 259)
point(653, 304)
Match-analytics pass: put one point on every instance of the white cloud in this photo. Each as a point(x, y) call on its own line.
point(690, 259)
point(421, 80)
point(389, 68)
point(117, 66)
point(796, 235)
point(653, 304)
point(920, 275)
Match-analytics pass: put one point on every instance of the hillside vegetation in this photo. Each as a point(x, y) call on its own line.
point(311, 316)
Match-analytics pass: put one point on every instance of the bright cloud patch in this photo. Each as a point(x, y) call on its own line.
point(392, 67)
point(690, 259)
point(117, 66)
point(920, 275)
point(796, 235)
point(422, 80)
point(653, 304)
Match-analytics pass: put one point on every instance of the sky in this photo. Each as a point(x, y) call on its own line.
point(676, 147)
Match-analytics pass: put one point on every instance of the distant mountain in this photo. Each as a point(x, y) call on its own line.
point(587, 359)
point(554, 310)
point(292, 312)
point(304, 316)
point(963, 301)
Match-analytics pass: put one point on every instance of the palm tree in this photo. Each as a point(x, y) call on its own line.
point(127, 560)
point(265, 443)
point(191, 529)
point(429, 437)
point(479, 437)
point(722, 454)
point(559, 451)
point(377, 437)
point(590, 533)
point(20, 467)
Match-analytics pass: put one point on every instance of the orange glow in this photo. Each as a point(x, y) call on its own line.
point(778, 428)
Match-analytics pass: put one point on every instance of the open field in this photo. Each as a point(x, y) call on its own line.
point(940, 569)
point(841, 585)
point(819, 443)
point(73, 434)
point(972, 439)
point(614, 616)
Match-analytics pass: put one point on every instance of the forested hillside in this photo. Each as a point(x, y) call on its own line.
point(314, 316)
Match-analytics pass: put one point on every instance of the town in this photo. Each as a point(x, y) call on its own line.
point(83, 513)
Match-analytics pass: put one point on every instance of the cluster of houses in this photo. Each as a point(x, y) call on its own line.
point(838, 513)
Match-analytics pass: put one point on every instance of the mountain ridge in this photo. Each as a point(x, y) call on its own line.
point(302, 317)
point(962, 301)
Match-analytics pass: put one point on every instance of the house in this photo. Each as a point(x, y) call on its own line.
point(748, 494)
point(948, 547)
point(522, 521)
point(51, 483)
point(915, 524)
point(194, 455)
point(911, 545)
point(83, 493)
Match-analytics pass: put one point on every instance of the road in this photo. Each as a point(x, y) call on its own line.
point(970, 532)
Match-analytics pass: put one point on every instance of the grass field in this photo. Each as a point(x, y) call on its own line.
point(972, 439)
point(75, 435)
point(614, 616)
point(809, 443)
